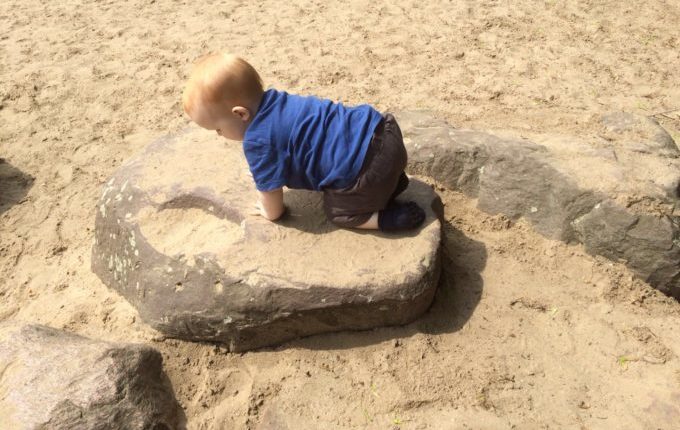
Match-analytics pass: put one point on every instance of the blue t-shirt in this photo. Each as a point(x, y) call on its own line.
point(306, 142)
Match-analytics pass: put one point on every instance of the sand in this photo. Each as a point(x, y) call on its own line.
point(524, 332)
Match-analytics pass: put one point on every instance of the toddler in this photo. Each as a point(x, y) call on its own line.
point(354, 155)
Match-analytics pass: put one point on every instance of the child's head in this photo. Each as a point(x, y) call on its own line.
point(223, 94)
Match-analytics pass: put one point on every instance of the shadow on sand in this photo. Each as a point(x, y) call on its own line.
point(180, 417)
point(458, 294)
point(14, 185)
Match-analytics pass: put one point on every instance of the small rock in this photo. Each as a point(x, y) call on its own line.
point(56, 380)
point(640, 134)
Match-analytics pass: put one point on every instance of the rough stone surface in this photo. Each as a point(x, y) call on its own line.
point(618, 194)
point(639, 134)
point(50, 379)
point(174, 235)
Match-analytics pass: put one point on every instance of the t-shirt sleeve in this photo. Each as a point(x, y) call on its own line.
point(267, 165)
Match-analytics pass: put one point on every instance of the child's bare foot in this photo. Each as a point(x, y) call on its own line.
point(401, 216)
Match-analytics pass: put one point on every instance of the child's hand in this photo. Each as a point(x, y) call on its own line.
point(259, 209)
point(270, 204)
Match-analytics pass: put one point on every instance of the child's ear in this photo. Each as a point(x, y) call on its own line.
point(242, 113)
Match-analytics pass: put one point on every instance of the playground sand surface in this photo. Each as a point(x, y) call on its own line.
point(524, 332)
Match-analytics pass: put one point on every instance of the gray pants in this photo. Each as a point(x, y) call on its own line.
point(383, 166)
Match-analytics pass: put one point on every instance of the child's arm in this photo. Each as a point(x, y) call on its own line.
point(270, 204)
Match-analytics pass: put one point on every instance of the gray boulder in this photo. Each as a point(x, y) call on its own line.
point(617, 194)
point(639, 134)
point(175, 236)
point(647, 243)
point(50, 379)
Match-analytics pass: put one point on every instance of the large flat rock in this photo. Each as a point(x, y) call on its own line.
point(616, 192)
point(175, 235)
point(50, 379)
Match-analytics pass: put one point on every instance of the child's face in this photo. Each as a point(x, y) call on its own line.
point(225, 122)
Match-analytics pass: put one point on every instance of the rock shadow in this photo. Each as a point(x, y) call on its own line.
point(180, 415)
point(460, 285)
point(14, 185)
point(458, 294)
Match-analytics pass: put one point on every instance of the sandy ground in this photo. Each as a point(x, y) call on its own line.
point(524, 332)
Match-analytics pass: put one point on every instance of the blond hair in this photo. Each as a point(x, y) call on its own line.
point(222, 80)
